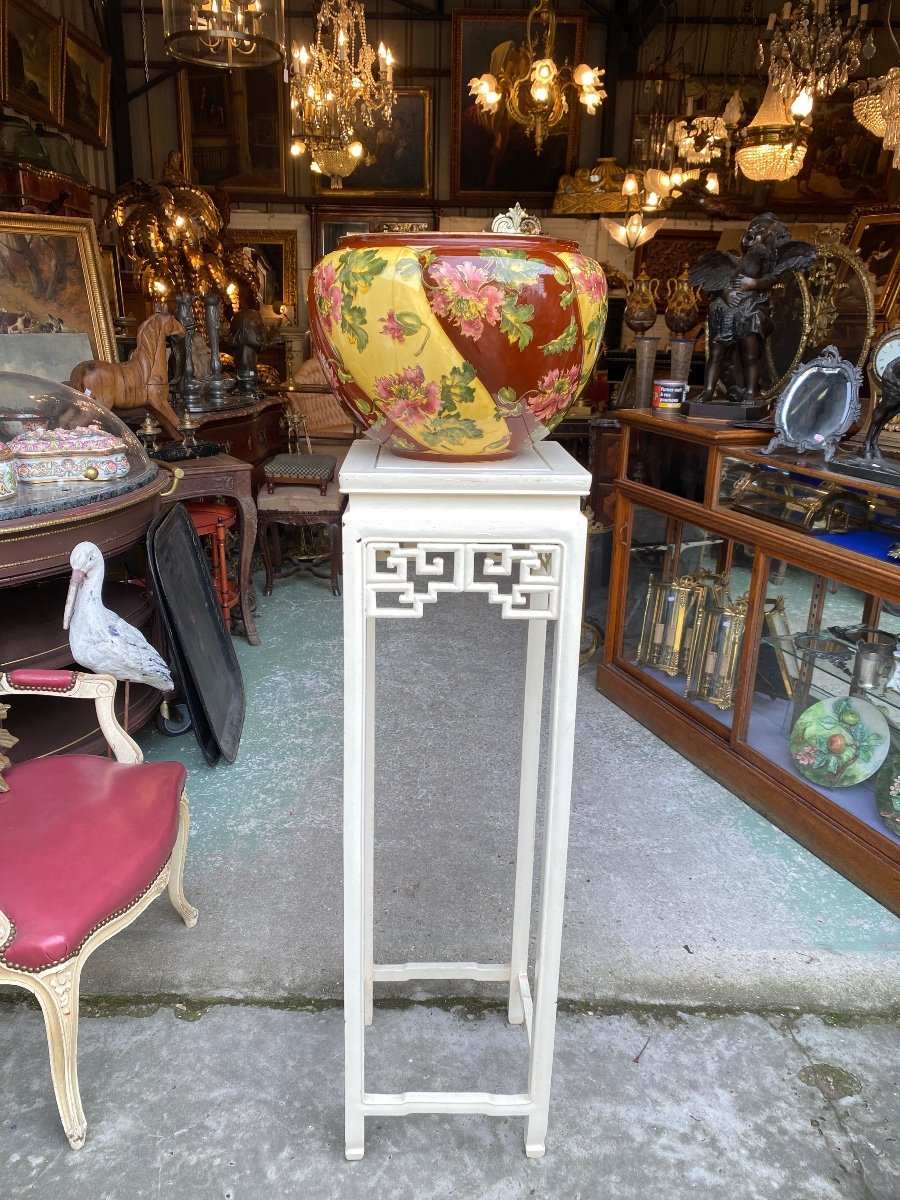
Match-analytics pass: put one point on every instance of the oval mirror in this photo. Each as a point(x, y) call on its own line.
point(819, 405)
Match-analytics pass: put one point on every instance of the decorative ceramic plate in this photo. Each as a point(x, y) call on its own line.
point(887, 793)
point(840, 741)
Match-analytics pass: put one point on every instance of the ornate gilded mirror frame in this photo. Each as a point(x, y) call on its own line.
point(842, 303)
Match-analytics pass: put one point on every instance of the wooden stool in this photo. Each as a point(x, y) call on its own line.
point(211, 520)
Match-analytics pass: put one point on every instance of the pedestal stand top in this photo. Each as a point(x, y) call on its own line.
point(544, 469)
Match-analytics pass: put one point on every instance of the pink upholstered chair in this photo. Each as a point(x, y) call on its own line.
point(86, 843)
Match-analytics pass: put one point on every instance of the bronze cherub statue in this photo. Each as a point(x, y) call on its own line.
point(739, 314)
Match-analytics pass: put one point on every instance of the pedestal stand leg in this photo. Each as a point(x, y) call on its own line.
point(369, 832)
point(556, 835)
point(357, 775)
point(528, 784)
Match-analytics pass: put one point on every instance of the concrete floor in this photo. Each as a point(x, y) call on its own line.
point(731, 1017)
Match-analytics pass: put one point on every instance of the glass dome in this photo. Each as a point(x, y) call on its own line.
point(68, 450)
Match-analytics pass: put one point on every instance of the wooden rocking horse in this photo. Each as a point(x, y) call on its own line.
point(142, 381)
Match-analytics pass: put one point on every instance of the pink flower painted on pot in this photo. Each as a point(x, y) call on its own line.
point(589, 279)
point(392, 327)
point(555, 392)
point(329, 298)
point(466, 296)
point(409, 396)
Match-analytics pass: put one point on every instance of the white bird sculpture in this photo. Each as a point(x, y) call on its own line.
point(101, 640)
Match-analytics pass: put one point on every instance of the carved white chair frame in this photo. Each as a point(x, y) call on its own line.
point(56, 987)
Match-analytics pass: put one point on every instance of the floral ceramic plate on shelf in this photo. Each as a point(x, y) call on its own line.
point(840, 741)
point(887, 793)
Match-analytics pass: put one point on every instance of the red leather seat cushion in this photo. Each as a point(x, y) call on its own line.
point(81, 837)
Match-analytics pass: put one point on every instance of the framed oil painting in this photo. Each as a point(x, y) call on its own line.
point(491, 155)
point(329, 225)
point(274, 254)
point(32, 52)
point(874, 233)
point(398, 158)
point(85, 87)
point(233, 129)
point(55, 311)
point(844, 165)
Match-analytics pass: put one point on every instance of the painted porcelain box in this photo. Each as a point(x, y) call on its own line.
point(69, 455)
point(67, 450)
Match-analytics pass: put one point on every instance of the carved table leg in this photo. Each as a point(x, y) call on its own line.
point(248, 541)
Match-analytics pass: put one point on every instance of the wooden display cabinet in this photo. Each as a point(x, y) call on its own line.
point(721, 557)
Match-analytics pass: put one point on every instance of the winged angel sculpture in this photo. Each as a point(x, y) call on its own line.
point(739, 315)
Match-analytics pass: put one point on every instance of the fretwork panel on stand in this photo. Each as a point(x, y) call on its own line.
point(414, 531)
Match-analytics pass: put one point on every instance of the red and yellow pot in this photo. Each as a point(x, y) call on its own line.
point(457, 346)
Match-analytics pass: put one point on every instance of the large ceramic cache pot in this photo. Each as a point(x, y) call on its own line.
point(457, 345)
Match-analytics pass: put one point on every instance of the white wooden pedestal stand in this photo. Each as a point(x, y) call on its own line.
point(514, 531)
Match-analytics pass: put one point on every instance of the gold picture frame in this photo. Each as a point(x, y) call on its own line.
point(30, 61)
point(50, 267)
point(274, 254)
point(84, 87)
point(493, 157)
point(401, 153)
point(233, 129)
point(874, 235)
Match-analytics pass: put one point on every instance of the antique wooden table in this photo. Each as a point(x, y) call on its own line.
point(222, 475)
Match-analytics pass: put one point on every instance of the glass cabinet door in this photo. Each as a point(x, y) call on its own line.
point(824, 709)
point(686, 612)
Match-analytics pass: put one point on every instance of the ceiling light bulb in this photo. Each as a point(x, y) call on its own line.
point(676, 178)
point(712, 183)
point(314, 166)
point(802, 106)
point(356, 149)
point(540, 93)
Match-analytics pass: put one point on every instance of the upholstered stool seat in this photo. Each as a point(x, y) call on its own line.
point(300, 470)
point(298, 506)
point(68, 862)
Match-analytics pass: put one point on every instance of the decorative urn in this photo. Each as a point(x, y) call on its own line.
point(681, 313)
point(640, 303)
point(457, 346)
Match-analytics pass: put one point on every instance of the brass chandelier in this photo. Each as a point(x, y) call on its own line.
point(225, 33)
point(335, 89)
point(534, 93)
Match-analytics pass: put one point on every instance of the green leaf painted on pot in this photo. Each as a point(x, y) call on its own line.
point(507, 400)
point(451, 433)
point(500, 444)
point(353, 321)
point(564, 342)
point(513, 268)
point(514, 320)
point(357, 269)
point(456, 388)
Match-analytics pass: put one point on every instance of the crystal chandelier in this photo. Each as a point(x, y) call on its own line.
point(698, 140)
point(534, 96)
point(867, 107)
point(334, 89)
point(773, 146)
point(813, 48)
point(225, 33)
